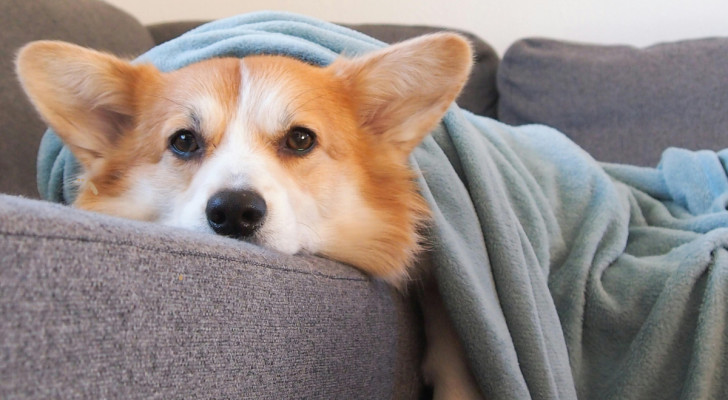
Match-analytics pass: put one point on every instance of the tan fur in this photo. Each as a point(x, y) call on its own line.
point(382, 237)
point(369, 113)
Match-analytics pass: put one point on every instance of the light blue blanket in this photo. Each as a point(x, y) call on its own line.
point(563, 276)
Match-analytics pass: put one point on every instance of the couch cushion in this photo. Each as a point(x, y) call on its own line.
point(86, 22)
point(95, 307)
point(622, 104)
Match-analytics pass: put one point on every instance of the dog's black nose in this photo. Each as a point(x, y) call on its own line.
point(235, 213)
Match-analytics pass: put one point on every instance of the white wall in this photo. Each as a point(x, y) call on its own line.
point(636, 22)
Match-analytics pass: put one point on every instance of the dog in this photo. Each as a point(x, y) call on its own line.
point(267, 149)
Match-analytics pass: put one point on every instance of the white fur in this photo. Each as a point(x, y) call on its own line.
point(238, 162)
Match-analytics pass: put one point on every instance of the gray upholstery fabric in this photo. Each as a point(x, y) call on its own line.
point(98, 307)
point(479, 96)
point(86, 22)
point(622, 104)
point(165, 31)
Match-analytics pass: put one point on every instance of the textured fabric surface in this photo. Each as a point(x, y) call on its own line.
point(98, 307)
point(633, 261)
point(86, 22)
point(622, 104)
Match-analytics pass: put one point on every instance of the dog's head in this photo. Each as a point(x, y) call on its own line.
point(265, 148)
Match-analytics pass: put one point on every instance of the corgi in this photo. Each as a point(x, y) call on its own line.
point(267, 149)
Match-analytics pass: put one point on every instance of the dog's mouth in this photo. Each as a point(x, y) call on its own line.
point(237, 214)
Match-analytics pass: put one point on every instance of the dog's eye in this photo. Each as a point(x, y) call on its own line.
point(184, 143)
point(300, 139)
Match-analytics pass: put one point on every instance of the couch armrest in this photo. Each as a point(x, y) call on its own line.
point(97, 307)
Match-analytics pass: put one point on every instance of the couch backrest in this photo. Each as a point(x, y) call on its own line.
point(622, 104)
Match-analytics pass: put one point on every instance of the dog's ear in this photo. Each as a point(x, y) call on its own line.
point(403, 91)
point(87, 97)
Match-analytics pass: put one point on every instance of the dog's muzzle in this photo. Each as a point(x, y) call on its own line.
point(235, 213)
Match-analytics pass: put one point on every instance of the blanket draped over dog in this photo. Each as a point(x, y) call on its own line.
point(563, 276)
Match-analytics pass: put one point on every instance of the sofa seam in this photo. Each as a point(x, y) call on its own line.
point(178, 252)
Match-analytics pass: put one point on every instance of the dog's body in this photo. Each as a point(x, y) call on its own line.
point(266, 148)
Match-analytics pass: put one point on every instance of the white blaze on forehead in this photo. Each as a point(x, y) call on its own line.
point(208, 112)
point(241, 160)
point(264, 100)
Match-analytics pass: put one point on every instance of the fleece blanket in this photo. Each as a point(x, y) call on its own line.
point(564, 277)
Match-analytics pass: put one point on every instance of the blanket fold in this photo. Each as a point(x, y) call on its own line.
point(564, 277)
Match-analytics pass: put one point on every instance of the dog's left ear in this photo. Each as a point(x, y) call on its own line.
point(403, 91)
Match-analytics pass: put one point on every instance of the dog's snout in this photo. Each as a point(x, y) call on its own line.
point(235, 213)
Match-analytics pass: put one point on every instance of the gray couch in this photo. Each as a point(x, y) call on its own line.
point(97, 307)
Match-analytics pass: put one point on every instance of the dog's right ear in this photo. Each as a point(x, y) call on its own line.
point(402, 91)
point(86, 96)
